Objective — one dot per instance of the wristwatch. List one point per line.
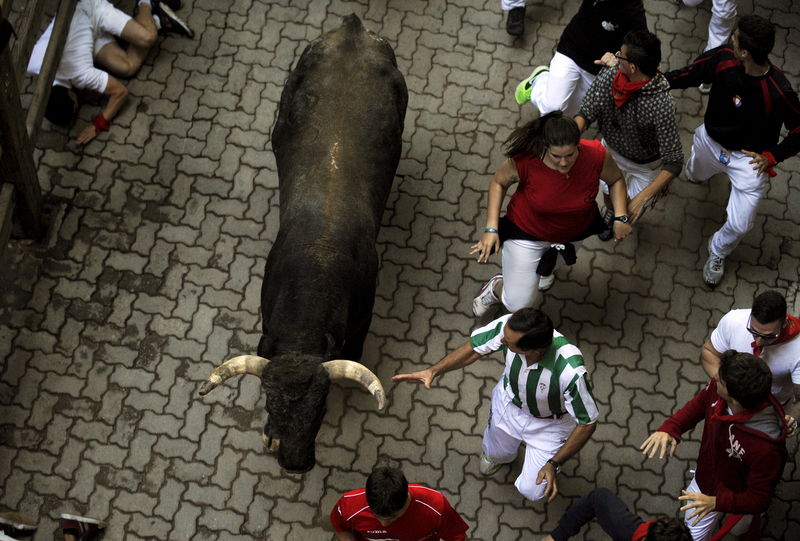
(624, 218)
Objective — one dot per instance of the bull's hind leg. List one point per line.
(270, 442)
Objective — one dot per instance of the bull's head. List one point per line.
(296, 391)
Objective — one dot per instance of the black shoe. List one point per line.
(174, 5)
(515, 23)
(169, 21)
(608, 218)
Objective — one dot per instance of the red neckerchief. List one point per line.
(623, 88)
(788, 332)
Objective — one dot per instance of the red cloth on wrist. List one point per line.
(100, 123)
(772, 161)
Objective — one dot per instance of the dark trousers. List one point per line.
(612, 514)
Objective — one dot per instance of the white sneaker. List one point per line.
(488, 466)
(486, 297)
(714, 269)
(705, 88)
(546, 282)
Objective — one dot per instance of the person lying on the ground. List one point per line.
(91, 54)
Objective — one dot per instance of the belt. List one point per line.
(554, 416)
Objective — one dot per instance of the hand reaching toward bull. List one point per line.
(425, 376)
(459, 358)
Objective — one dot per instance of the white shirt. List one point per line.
(92, 19)
(783, 359)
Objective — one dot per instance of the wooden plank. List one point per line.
(16, 163)
(44, 82)
(28, 32)
(6, 214)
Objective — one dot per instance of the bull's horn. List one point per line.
(243, 364)
(341, 369)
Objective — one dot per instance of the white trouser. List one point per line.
(637, 175)
(507, 5)
(707, 525)
(520, 280)
(562, 88)
(747, 187)
(723, 17)
(509, 425)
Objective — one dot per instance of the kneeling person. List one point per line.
(543, 398)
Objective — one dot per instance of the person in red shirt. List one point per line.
(551, 212)
(389, 509)
(742, 451)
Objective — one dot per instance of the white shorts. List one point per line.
(509, 426)
(637, 175)
(520, 279)
(708, 523)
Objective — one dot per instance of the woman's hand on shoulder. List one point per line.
(489, 244)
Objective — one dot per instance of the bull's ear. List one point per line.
(342, 369)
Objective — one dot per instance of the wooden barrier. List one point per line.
(20, 193)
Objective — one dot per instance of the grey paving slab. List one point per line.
(153, 278)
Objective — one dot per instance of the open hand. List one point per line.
(548, 475)
(489, 244)
(87, 134)
(425, 376)
(659, 442)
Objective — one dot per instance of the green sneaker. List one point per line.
(523, 92)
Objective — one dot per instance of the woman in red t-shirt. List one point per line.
(552, 210)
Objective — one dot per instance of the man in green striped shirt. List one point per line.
(544, 398)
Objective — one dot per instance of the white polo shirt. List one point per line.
(783, 359)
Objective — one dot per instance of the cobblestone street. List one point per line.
(153, 277)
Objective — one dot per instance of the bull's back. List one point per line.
(337, 140)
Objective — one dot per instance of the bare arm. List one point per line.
(619, 195)
(711, 359)
(502, 180)
(581, 122)
(459, 358)
(117, 93)
(650, 195)
(575, 442)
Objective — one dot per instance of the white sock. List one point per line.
(157, 21)
(146, 2)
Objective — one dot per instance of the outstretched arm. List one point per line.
(117, 94)
(459, 358)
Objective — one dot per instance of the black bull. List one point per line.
(337, 142)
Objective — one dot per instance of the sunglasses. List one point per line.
(756, 334)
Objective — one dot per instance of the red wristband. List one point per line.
(100, 123)
(771, 162)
